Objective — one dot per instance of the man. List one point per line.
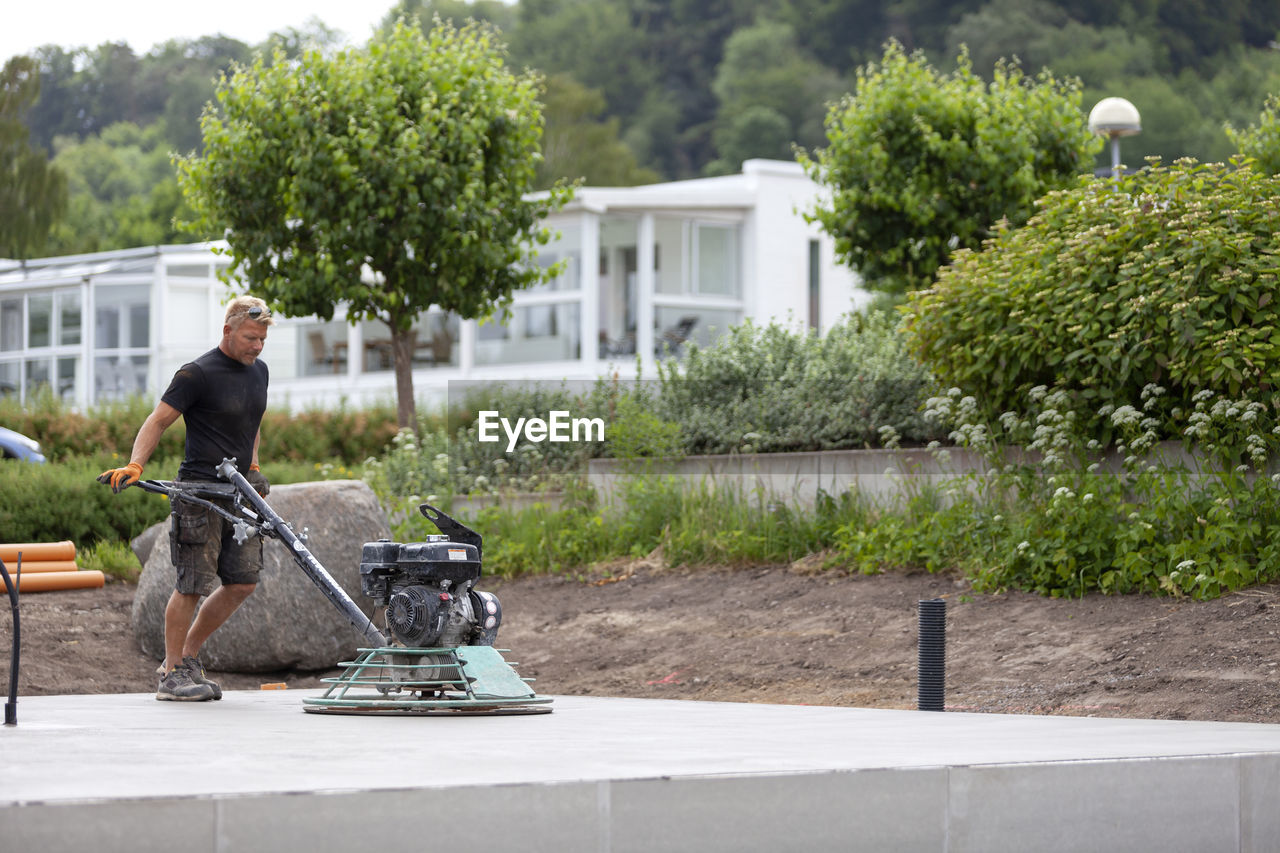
(221, 396)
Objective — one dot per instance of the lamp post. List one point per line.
(1114, 118)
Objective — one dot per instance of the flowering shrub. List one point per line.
(1168, 275)
(1066, 518)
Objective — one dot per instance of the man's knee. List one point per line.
(181, 605)
(239, 591)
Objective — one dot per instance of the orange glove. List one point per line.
(119, 478)
(258, 480)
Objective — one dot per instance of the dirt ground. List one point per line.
(783, 634)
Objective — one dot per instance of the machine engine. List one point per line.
(428, 588)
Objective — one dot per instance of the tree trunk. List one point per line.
(402, 346)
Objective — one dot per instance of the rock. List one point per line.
(287, 623)
(145, 542)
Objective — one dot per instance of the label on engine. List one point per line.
(457, 554)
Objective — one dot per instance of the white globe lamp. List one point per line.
(1114, 118)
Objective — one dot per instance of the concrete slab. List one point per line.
(254, 772)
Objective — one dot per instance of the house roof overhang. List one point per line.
(723, 192)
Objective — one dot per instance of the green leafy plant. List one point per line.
(115, 559)
(341, 433)
(765, 389)
(1167, 276)
(57, 501)
(1054, 513)
(921, 163)
(1261, 142)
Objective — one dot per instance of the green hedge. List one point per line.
(1068, 525)
(1168, 275)
(57, 501)
(64, 433)
(770, 389)
(346, 435)
(64, 500)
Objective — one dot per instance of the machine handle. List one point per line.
(302, 555)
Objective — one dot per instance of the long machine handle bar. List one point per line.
(271, 524)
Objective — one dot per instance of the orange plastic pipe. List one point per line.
(42, 566)
(50, 581)
(37, 552)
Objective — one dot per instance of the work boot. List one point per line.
(179, 686)
(197, 675)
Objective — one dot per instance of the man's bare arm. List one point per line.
(152, 429)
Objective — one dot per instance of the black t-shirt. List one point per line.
(222, 402)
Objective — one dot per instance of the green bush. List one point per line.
(724, 528)
(64, 500)
(434, 464)
(446, 456)
(484, 466)
(107, 431)
(1167, 276)
(767, 389)
(1066, 521)
(759, 389)
(347, 435)
(1261, 141)
(65, 433)
(926, 531)
(920, 162)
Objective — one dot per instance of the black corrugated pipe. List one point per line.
(932, 664)
(11, 707)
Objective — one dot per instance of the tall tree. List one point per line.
(773, 94)
(85, 90)
(578, 145)
(580, 142)
(684, 40)
(389, 179)
(921, 163)
(496, 12)
(60, 106)
(841, 34)
(176, 79)
(653, 60)
(1040, 33)
(315, 34)
(1183, 112)
(33, 194)
(123, 191)
(595, 43)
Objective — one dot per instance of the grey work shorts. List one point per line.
(202, 546)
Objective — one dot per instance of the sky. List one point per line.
(26, 25)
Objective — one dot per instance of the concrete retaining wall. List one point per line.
(797, 478)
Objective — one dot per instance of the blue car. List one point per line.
(15, 445)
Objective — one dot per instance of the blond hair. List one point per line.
(243, 308)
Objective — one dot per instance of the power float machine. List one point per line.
(442, 659)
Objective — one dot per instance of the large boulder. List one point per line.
(287, 623)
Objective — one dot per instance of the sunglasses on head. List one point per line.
(257, 312)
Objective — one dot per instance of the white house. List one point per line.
(668, 263)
